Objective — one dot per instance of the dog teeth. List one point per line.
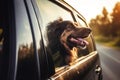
(82, 47)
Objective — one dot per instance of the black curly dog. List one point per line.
(66, 36)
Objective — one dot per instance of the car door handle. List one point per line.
(98, 69)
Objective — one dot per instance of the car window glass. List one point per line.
(49, 13)
(26, 65)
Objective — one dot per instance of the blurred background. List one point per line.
(103, 16)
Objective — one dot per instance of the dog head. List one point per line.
(68, 34)
(73, 35)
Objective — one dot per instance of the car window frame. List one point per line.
(65, 7)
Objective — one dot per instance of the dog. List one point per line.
(67, 37)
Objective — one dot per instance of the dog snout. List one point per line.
(81, 32)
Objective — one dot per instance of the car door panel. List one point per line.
(78, 70)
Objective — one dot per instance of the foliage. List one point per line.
(107, 25)
(116, 20)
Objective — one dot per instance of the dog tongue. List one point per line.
(79, 41)
(83, 41)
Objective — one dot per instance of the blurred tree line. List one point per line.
(106, 26)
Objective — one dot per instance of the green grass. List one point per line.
(111, 42)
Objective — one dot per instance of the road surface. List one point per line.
(110, 62)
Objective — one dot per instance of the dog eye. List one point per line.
(69, 28)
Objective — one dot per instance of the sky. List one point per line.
(90, 8)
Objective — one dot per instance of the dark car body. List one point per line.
(24, 50)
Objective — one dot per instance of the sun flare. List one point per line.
(90, 8)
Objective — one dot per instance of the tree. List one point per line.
(101, 24)
(105, 26)
(95, 25)
(105, 12)
(116, 20)
(108, 26)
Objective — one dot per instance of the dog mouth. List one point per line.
(77, 42)
(77, 38)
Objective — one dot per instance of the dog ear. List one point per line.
(57, 24)
(53, 26)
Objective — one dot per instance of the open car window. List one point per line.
(56, 27)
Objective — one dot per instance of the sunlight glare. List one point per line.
(90, 8)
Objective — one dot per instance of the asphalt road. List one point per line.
(110, 62)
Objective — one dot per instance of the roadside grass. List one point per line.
(111, 42)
